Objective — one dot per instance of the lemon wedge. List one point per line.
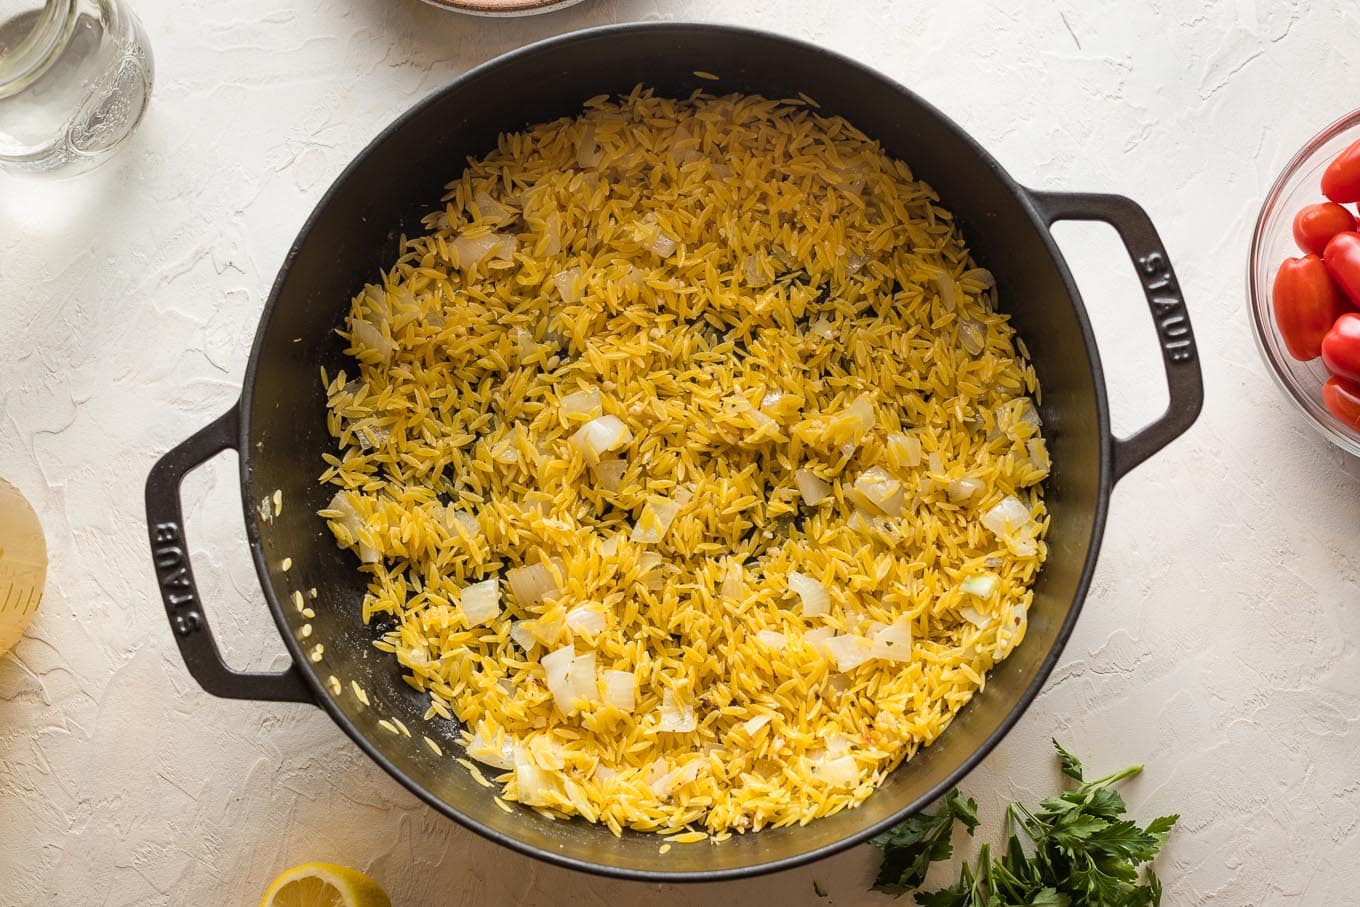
(23, 565)
(324, 885)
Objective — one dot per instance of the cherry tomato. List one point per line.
(1341, 179)
(1316, 224)
(1341, 348)
(1343, 400)
(1342, 257)
(1306, 303)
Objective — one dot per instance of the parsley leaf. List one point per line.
(910, 848)
(1076, 849)
(1071, 765)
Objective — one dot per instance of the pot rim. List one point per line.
(1026, 698)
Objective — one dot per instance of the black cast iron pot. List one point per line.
(279, 430)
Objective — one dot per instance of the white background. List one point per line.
(1217, 642)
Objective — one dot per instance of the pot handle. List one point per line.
(1174, 334)
(170, 552)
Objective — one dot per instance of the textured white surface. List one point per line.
(1216, 645)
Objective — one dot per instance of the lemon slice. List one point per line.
(23, 565)
(324, 885)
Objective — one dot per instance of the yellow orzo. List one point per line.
(693, 463)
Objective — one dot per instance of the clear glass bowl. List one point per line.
(506, 8)
(1272, 243)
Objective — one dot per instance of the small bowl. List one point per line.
(504, 8)
(1272, 243)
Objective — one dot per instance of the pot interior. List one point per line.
(354, 234)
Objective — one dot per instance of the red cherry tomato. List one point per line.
(1341, 179)
(1341, 348)
(1343, 400)
(1342, 257)
(1316, 224)
(1306, 303)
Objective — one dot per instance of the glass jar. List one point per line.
(75, 76)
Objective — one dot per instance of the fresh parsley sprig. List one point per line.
(1074, 850)
(910, 848)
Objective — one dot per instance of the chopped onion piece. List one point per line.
(522, 634)
(655, 519)
(532, 584)
(532, 783)
(815, 599)
(470, 251)
(684, 148)
(893, 642)
(586, 620)
(817, 639)
(552, 233)
(963, 489)
(581, 678)
(980, 585)
(490, 209)
(663, 785)
(504, 452)
(758, 419)
(753, 725)
(354, 524)
(599, 436)
(557, 666)
(620, 689)
(550, 628)
(1020, 420)
(945, 284)
(609, 473)
(649, 561)
(365, 336)
(862, 411)
(813, 489)
(569, 285)
(525, 344)
(1008, 518)
(734, 583)
(972, 336)
(571, 677)
(881, 491)
(461, 522)
(751, 270)
(495, 750)
(841, 772)
(980, 276)
(675, 717)
(588, 151)
(975, 617)
(848, 652)
(904, 450)
(823, 328)
(583, 404)
(838, 745)
(772, 639)
(1038, 455)
(663, 245)
(480, 602)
